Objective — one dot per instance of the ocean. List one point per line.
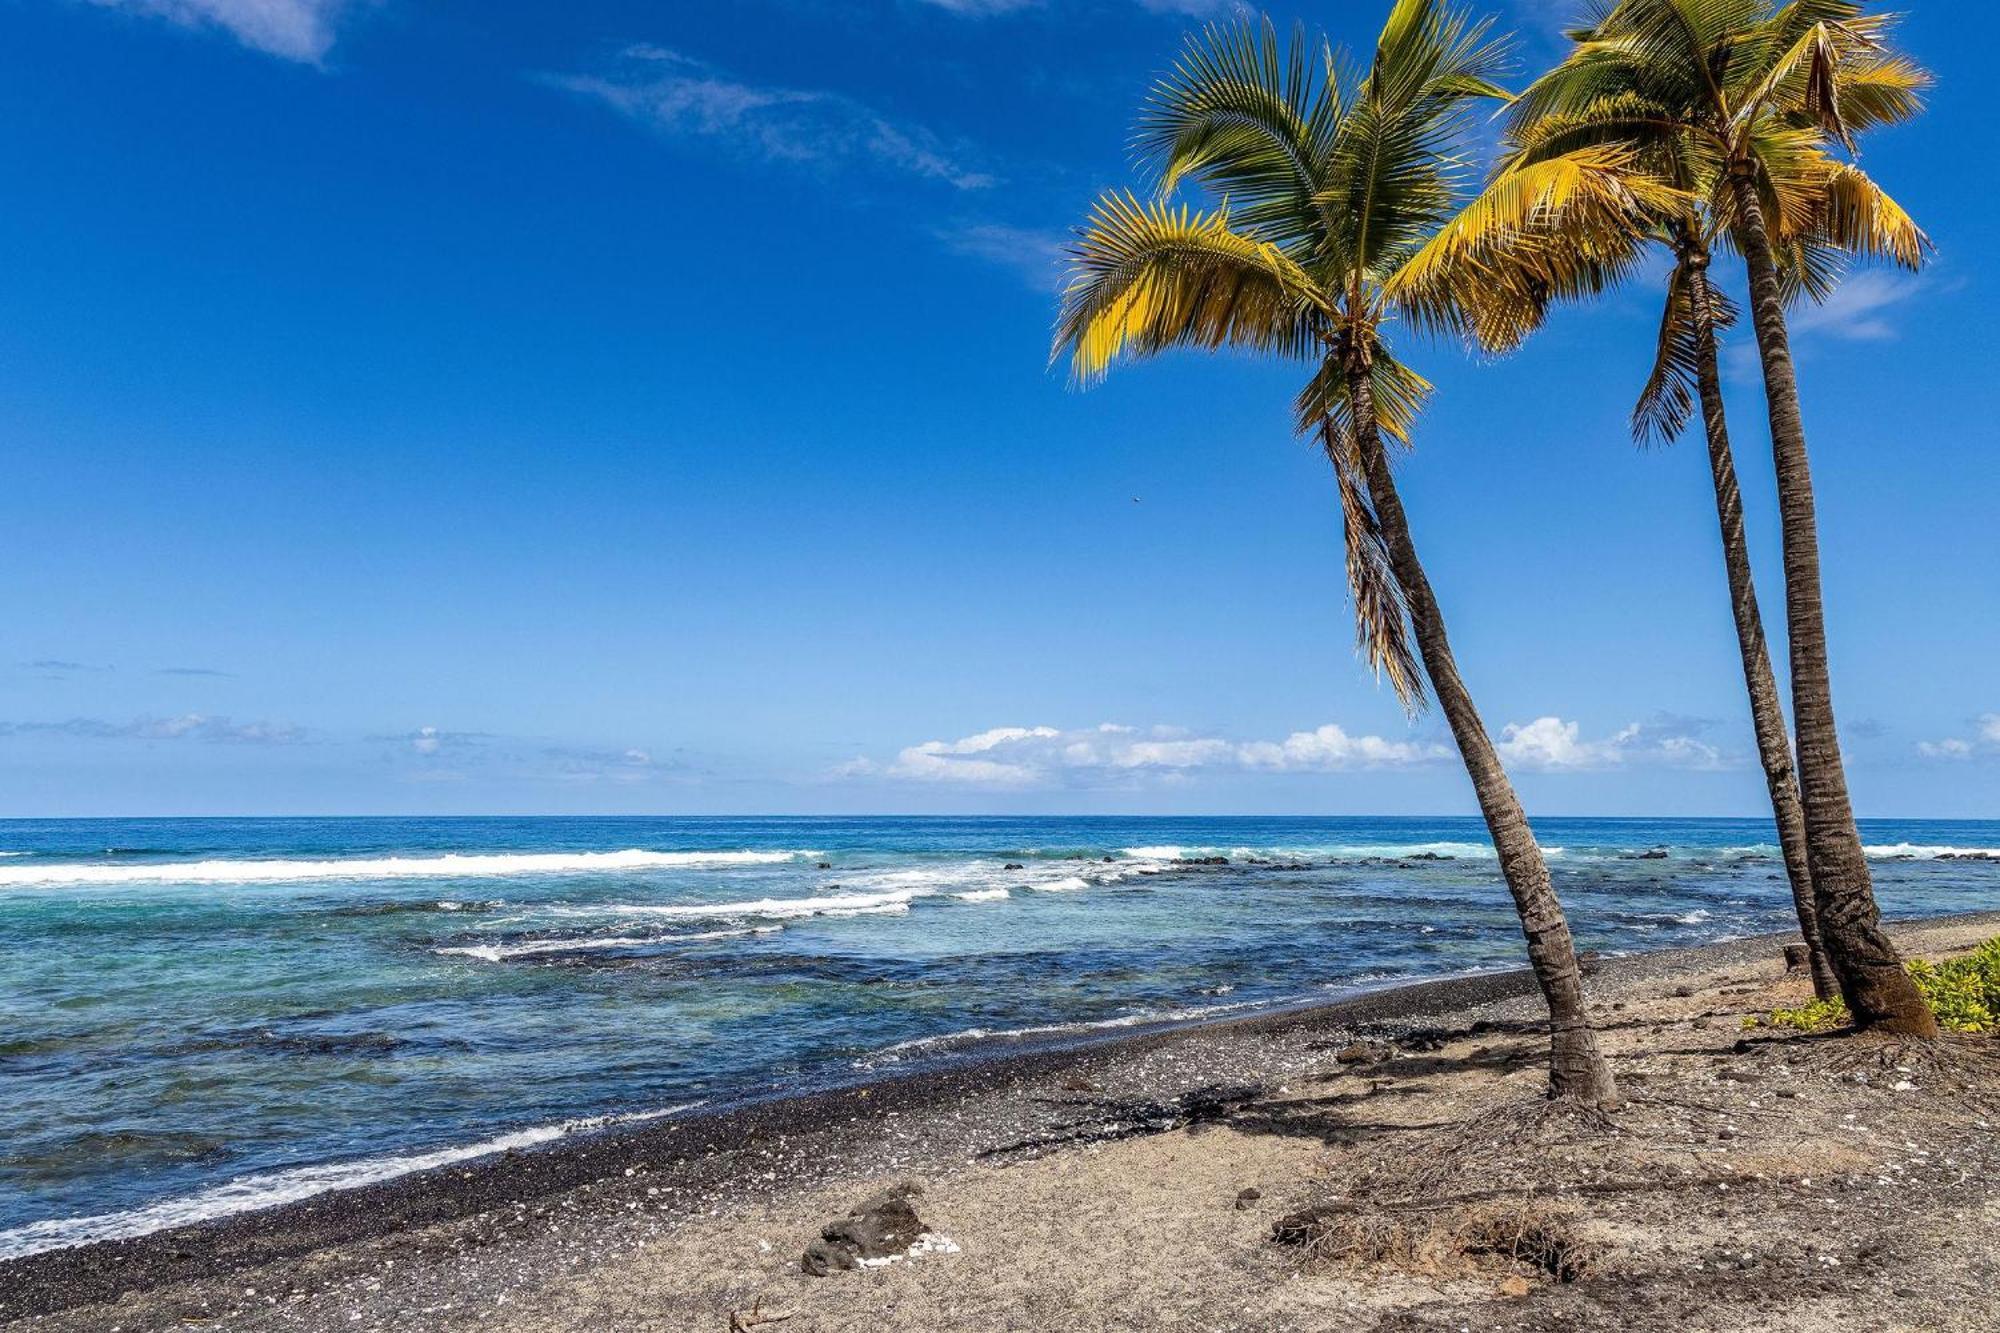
(199, 1017)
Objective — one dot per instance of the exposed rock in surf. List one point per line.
(1201, 860)
(1013, 865)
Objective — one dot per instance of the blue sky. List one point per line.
(473, 405)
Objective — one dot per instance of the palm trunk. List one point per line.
(1878, 991)
(1577, 1070)
(1767, 715)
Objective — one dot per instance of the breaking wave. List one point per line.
(451, 865)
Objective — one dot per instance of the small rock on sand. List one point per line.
(882, 1226)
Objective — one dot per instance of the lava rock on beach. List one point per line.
(882, 1226)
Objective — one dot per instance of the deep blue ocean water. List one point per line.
(198, 1016)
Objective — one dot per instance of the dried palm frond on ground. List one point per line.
(1447, 1240)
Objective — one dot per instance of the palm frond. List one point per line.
(1400, 394)
(1552, 229)
(1250, 120)
(1671, 393)
(1859, 216)
(1147, 277)
(1381, 616)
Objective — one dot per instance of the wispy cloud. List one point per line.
(1859, 309)
(436, 754)
(1036, 255)
(301, 30)
(1189, 8)
(193, 671)
(676, 95)
(1985, 740)
(1550, 744)
(187, 726)
(1116, 755)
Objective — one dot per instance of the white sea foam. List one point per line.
(496, 953)
(918, 1046)
(451, 865)
(772, 909)
(983, 895)
(249, 1193)
(1911, 851)
(1367, 851)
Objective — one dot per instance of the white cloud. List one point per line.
(1985, 740)
(186, 726)
(1549, 744)
(1113, 754)
(301, 30)
(675, 94)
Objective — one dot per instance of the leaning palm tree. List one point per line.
(1332, 179)
(1750, 88)
(1828, 208)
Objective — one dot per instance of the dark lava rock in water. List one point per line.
(1201, 860)
(879, 1227)
(1013, 865)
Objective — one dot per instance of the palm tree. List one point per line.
(1830, 207)
(1749, 90)
(1332, 179)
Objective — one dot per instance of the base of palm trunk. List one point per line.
(1880, 994)
(1577, 1069)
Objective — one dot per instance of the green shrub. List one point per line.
(1964, 993)
(1813, 1016)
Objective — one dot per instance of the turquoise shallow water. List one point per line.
(198, 1016)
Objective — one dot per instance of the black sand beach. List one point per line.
(512, 1222)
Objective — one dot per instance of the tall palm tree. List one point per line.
(1332, 179)
(1751, 88)
(1829, 208)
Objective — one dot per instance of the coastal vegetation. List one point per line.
(1338, 206)
(1963, 994)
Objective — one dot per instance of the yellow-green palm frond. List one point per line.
(1552, 229)
(1881, 88)
(1429, 50)
(1381, 616)
(1147, 277)
(1859, 216)
(1251, 119)
(1396, 171)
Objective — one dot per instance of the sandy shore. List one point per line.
(1751, 1182)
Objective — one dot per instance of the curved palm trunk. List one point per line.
(1577, 1069)
(1879, 992)
(1767, 715)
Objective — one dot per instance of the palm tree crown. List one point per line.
(1332, 179)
